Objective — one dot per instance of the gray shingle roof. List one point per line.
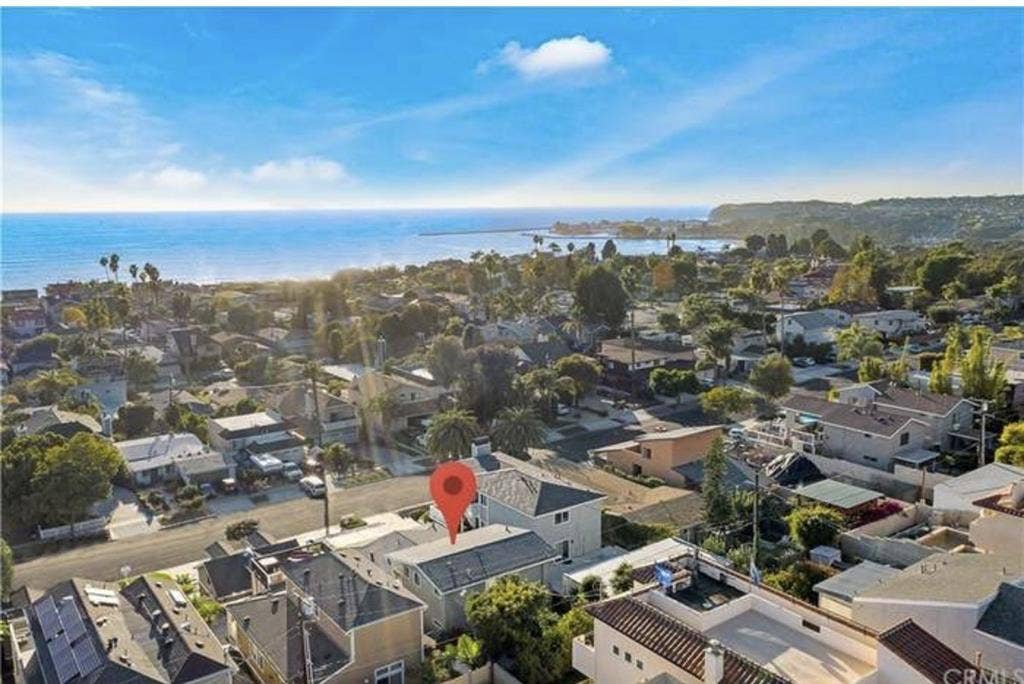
(477, 555)
(914, 400)
(1003, 616)
(864, 420)
(345, 595)
(532, 495)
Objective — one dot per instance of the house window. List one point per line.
(615, 650)
(629, 657)
(870, 458)
(647, 453)
(416, 578)
(905, 438)
(810, 625)
(561, 517)
(390, 674)
(482, 500)
(639, 664)
(867, 436)
(564, 547)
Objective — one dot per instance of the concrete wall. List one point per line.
(612, 668)
(880, 479)
(382, 643)
(894, 670)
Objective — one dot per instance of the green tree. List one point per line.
(723, 402)
(134, 420)
(673, 382)
(600, 296)
(871, 368)
(516, 429)
(755, 243)
(19, 461)
(140, 371)
(772, 376)
(509, 616)
(609, 250)
(717, 340)
(1011, 445)
(622, 578)
(717, 501)
(982, 376)
(451, 433)
(75, 475)
(243, 318)
(584, 372)
(545, 388)
(6, 570)
(590, 590)
(799, 579)
(338, 458)
(696, 310)
(815, 525)
(50, 385)
(941, 378)
(446, 359)
(856, 342)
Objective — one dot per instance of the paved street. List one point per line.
(183, 544)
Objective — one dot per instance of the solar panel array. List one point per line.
(67, 639)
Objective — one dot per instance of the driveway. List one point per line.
(125, 517)
(168, 548)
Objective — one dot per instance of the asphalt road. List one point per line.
(168, 548)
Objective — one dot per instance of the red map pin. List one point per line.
(453, 486)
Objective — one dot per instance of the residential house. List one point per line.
(603, 566)
(969, 601)
(846, 498)
(25, 321)
(15, 298)
(285, 341)
(864, 435)
(411, 399)
(231, 344)
(892, 324)
(30, 357)
(339, 421)
(172, 457)
(522, 331)
(628, 363)
(55, 420)
(962, 492)
(947, 419)
(147, 632)
(815, 327)
(708, 623)
(193, 348)
(443, 574)
(836, 593)
(104, 380)
(1011, 353)
(1000, 525)
(509, 492)
(262, 433)
(382, 303)
(661, 454)
(228, 576)
(316, 616)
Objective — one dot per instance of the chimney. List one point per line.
(111, 644)
(714, 662)
(245, 622)
(481, 447)
(108, 425)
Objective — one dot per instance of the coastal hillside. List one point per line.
(904, 219)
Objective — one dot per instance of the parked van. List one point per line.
(313, 486)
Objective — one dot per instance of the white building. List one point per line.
(892, 323)
(815, 327)
(257, 433)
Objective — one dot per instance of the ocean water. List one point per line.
(206, 247)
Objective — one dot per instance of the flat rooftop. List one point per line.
(787, 652)
(705, 593)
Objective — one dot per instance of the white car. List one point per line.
(292, 472)
(804, 362)
(313, 486)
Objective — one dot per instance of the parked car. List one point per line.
(313, 486)
(292, 472)
(736, 433)
(208, 490)
(229, 485)
(804, 362)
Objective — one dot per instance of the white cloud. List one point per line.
(555, 57)
(172, 177)
(299, 170)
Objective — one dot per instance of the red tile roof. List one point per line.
(674, 641)
(992, 503)
(925, 653)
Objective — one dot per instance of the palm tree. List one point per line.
(451, 433)
(97, 316)
(716, 338)
(517, 428)
(152, 276)
(312, 373)
(105, 262)
(133, 271)
(337, 458)
(50, 385)
(781, 274)
(382, 406)
(114, 261)
(546, 387)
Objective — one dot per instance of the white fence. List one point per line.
(87, 528)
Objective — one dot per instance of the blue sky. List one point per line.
(177, 108)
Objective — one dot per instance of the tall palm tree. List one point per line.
(114, 261)
(716, 338)
(451, 433)
(546, 387)
(312, 373)
(782, 273)
(105, 263)
(133, 271)
(152, 276)
(517, 428)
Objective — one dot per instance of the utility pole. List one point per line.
(981, 442)
(757, 523)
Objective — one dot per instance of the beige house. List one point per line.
(317, 617)
(1000, 526)
(659, 453)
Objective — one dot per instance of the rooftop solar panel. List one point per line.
(86, 656)
(71, 619)
(63, 659)
(46, 613)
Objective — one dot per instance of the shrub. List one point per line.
(241, 529)
(799, 579)
(815, 525)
